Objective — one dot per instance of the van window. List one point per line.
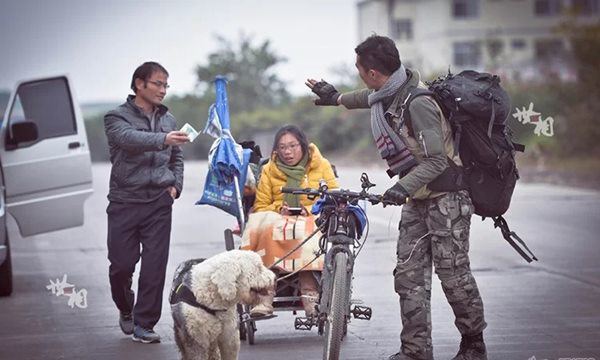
(47, 103)
(4, 97)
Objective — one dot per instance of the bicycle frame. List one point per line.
(340, 237)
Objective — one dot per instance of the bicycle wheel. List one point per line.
(336, 318)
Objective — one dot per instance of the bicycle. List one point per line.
(340, 224)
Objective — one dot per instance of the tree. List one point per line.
(581, 135)
(585, 44)
(249, 68)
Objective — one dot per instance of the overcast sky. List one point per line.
(100, 42)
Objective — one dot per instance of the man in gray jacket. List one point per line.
(146, 177)
(417, 144)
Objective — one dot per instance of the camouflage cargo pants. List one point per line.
(435, 230)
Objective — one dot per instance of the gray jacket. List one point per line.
(142, 166)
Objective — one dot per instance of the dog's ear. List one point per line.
(225, 279)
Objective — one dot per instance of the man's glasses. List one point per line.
(159, 84)
(293, 147)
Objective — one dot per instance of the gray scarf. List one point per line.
(391, 147)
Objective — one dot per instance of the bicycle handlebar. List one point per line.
(340, 194)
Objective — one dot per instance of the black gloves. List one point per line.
(327, 94)
(396, 194)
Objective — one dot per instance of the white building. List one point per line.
(515, 38)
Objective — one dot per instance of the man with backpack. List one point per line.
(416, 140)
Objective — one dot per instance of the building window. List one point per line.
(518, 44)
(465, 9)
(402, 29)
(467, 53)
(586, 7)
(547, 7)
(549, 49)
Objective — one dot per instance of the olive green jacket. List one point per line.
(428, 136)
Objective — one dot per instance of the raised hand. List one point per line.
(327, 93)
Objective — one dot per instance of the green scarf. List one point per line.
(295, 175)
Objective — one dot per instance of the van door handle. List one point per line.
(74, 145)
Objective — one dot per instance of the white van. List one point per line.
(45, 173)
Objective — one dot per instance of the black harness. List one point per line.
(181, 293)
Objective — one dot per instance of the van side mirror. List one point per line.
(21, 132)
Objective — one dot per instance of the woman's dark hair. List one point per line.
(145, 71)
(298, 134)
(379, 53)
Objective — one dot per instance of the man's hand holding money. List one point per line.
(190, 131)
(186, 134)
(176, 138)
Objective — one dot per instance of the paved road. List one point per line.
(549, 310)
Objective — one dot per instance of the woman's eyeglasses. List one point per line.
(283, 147)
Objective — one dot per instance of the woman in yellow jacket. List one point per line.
(294, 163)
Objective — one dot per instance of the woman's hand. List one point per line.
(285, 210)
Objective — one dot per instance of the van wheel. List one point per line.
(6, 273)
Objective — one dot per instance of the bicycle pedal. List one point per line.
(303, 323)
(362, 312)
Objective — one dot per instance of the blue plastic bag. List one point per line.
(223, 195)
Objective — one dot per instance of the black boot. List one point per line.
(400, 356)
(471, 348)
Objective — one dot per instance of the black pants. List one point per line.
(129, 226)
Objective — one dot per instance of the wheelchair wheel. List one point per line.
(229, 244)
(335, 325)
(242, 327)
(250, 328)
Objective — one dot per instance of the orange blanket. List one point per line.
(272, 236)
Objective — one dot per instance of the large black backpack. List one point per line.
(477, 108)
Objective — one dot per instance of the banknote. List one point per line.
(190, 131)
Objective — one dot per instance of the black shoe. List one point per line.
(146, 336)
(401, 356)
(471, 348)
(126, 322)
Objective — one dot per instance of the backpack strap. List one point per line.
(508, 235)
(412, 95)
(495, 80)
(451, 179)
(492, 118)
(454, 121)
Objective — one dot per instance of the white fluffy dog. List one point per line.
(204, 297)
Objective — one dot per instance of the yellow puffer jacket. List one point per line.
(268, 193)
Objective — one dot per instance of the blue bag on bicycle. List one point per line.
(227, 160)
(223, 195)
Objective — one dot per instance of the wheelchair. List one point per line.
(287, 293)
